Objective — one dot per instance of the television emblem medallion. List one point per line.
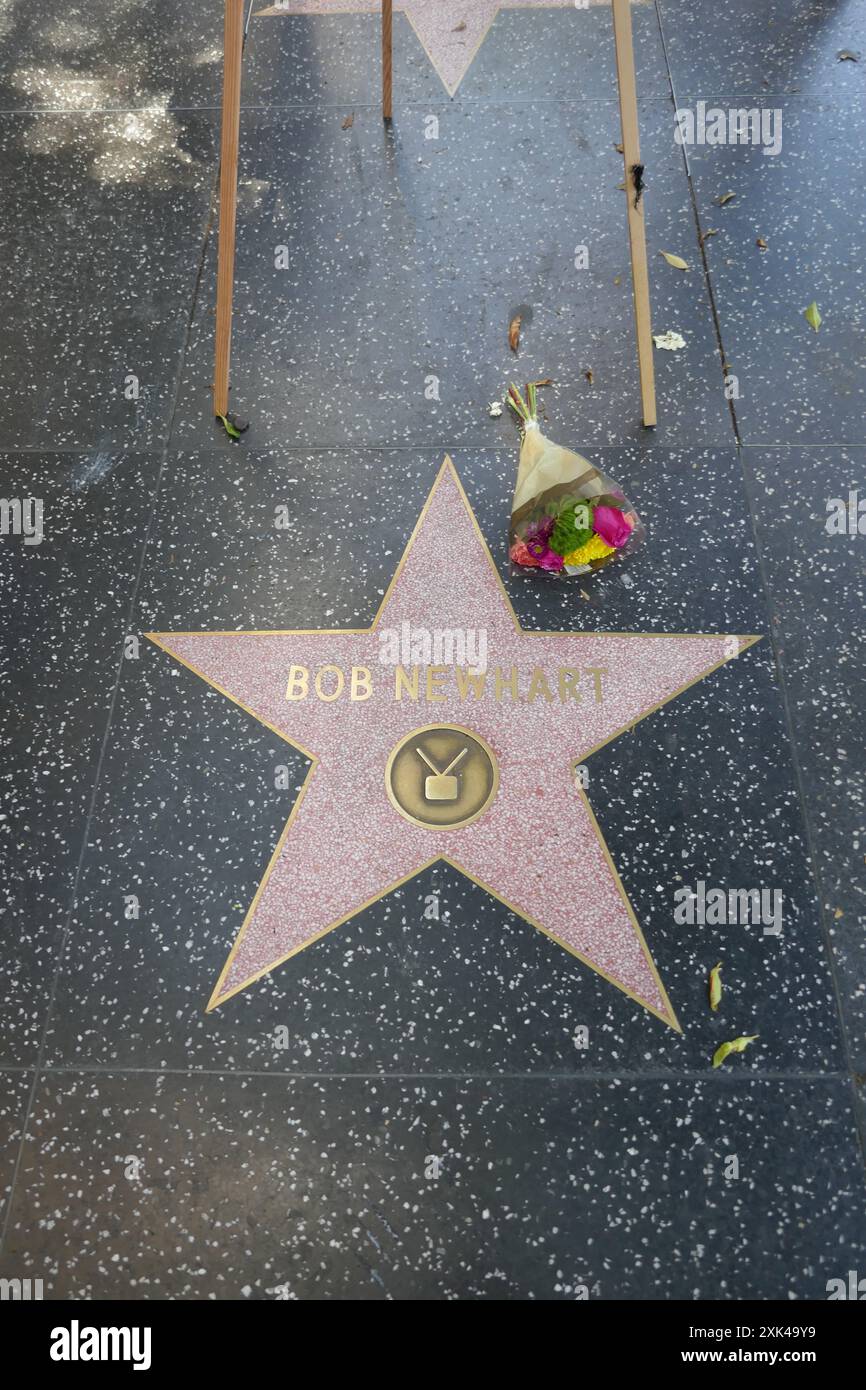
(441, 776)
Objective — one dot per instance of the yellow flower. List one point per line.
(594, 549)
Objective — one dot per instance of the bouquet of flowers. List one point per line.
(567, 517)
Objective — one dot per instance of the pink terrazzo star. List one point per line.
(537, 846)
(450, 31)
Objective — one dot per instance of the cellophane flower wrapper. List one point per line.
(568, 517)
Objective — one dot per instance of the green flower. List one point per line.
(568, 534)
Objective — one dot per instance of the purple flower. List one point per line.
(539, 532)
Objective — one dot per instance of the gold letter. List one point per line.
(435, 674)
(512, 683)
(465, 680)
(538, 685)
(340, 683)
(362, 687)
(401, 678)
(568, 678)
(597, 672)
(298, 676)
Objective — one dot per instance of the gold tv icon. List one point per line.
(441, 786)
(441, 776)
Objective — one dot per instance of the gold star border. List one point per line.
(157, 638)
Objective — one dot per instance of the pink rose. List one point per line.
(612, 525)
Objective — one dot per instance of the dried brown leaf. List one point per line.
(514, 333)
(349, 122)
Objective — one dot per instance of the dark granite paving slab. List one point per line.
(100, 237)
(66, 602)
(189, 809)
(817, 580)
(407, 1109)
(549, 54)
(14, 1092)
(796, 386)
(782, 46)
(309, 60)
(378, 271)
(262, 1188)
(101, 55)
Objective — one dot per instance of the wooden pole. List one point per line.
(228, 198)
(387, 28)
(637, 239)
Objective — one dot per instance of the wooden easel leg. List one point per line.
(387, 28)
(228, 199)
(637, 239)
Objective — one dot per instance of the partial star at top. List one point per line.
(450, 31)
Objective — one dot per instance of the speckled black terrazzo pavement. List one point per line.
(401, 1112)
